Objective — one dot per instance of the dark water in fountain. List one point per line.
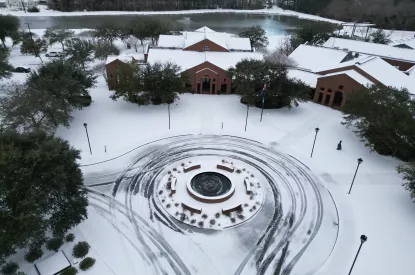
(210, 184)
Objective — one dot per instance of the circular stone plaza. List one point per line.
(211, 192)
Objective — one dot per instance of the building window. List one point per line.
(214, 80)
(322, 89)
(206, 48)
(224, 79)
(198, 80)
(341, 87)
(111, 76)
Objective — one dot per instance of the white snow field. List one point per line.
(307, 223)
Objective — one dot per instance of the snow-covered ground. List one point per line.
(275, 10)
(130, 233)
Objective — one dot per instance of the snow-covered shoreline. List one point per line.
(274, 11)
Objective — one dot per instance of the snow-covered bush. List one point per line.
(54, 243)
(70, 237)
(86, 263)
(10, 268)
(80, 249)
(69, 271)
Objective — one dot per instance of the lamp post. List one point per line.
(87, 136)
(263, 99)
(363, 238)
(359, 161)
(168, 108)
(315, 137)
(246, 121)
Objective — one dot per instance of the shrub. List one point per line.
(212, 222)
(10, 268)
(168, 205)
(176, 204)
(33, 254)
(104, 49)
(86, 263)
(80, 249)
(33, 9)
(70, 237)
(217, 215)
(192, 221)
(233, 220)
(69, 271)
(200, 223)
(54, 243)
(204, 216)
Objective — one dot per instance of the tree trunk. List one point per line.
(63, 46)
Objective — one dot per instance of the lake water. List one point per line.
(232, 23)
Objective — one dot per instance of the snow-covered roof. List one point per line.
(371, 48)
(316, 58)
(408, 43)
(53, 264)
(126, 57)
(190, 59)
(225, 40)
(387, 74)
(308, 78)
(354, 75)
(204, 29)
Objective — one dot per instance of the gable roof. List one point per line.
(307, 77)
(204, 29)
(381, 50)
(317, 58)
(125, 58)
(228, 41)
(409, 43)
(354, 75)
(190, 59)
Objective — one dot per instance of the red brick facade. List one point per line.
(205, 46)
(112, 69)
(332, 90)
(207, 78)
(402, 65)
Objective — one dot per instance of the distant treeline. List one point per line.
(152, 5)
(388, 14)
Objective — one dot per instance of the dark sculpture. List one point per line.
(339, 146)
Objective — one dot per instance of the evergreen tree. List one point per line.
(249, 77)
(9, 26)
(140, 30)
(315, 33)
(408, 175)
(257, 37)
(41, 189)
(79, 51)
(33, 46)
(58, 36)
(47, 99)
(5, 67)
(383, 117)
(158, 83)
(380, 37)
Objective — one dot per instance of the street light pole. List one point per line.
(359, 161)
(87, 136)
(168, 108)
(315, 137)
(263, 99)
(363, 238)
(246, 121)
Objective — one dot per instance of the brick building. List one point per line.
(114, 63)
(333, 73)
(205, 56)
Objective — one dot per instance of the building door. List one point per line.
(206, 86)
(320, 98)
(198, 88)
(327, 101)
(223, 88)
(338, 99)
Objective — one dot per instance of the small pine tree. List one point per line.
(10, 268)
(80, 249)
(33, 254)
(86, 263)
(54, 243)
